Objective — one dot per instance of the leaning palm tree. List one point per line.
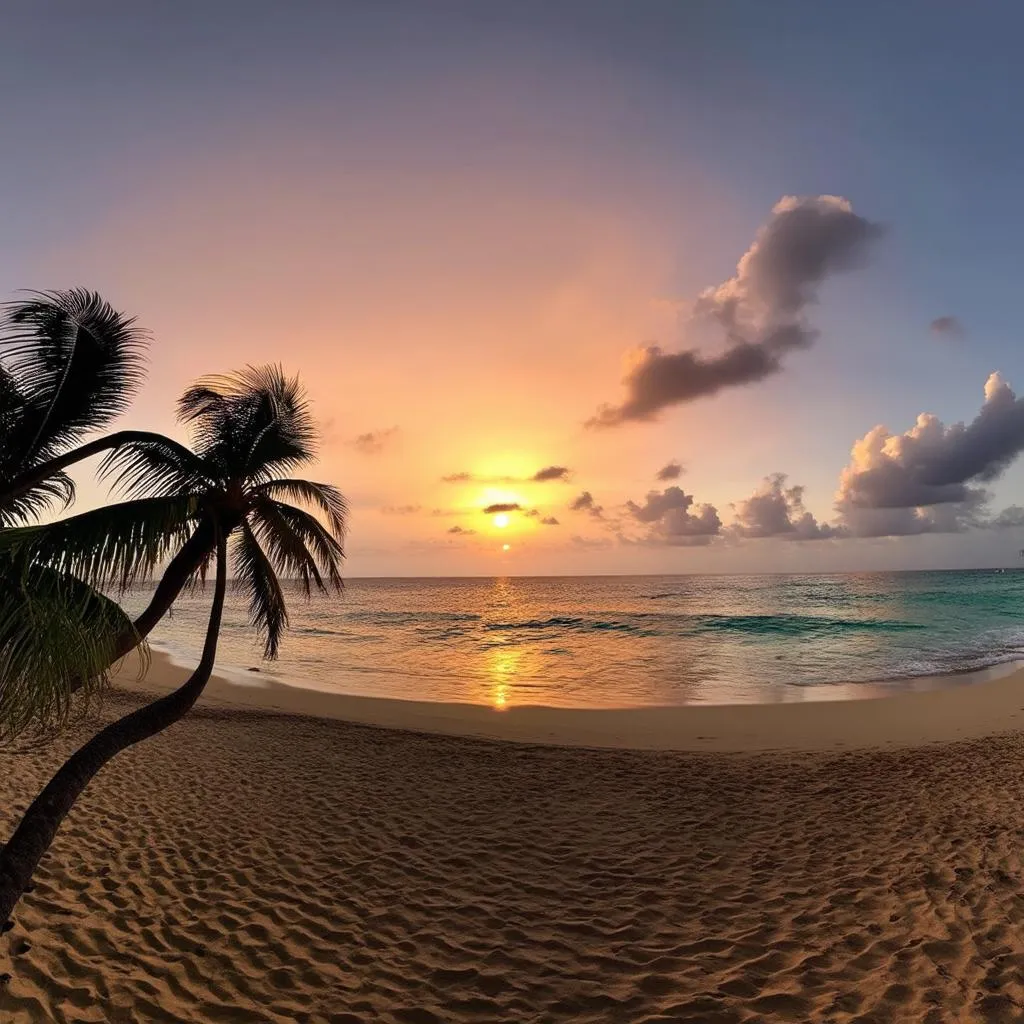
(226, 491)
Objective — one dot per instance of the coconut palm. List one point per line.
(69, 364)
(223, 494)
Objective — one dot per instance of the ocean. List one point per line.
(624, 641)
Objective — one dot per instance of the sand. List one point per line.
(253, 866)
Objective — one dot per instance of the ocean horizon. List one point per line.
(604, 641)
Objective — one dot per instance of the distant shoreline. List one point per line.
(945, 713)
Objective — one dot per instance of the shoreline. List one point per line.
(944, 714)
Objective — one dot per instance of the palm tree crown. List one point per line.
(69, 364)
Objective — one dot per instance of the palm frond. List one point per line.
(255, 577)
(299, 544)
(155, 466)
(251, 424)
(325, 497)
(58, 638)
(77, 363)
(32, 504)
(113, 546)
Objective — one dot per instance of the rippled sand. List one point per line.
(248, 867)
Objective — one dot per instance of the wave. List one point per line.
(694, 625)
(798, 625)
(382, 618)
(570, 623)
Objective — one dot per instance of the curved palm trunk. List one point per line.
(35, 833)
(179, 571)
(175, 578)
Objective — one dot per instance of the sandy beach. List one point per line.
(842, 861)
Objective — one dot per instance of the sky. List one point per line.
(691, 287)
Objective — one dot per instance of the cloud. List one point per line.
(670, 519)
(551, 473)
(932, 464)
(549, 521)
(1010, 518)
(907, 522)
(670, 471)
(927, 479)
(585, 503)
(503, 506)
(775, 510)
(460, 530)
(401, 510)
(760, 309)
(373, 442)
(541, 476)
(948, 327)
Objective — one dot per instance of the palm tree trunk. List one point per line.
(175, 578)
(35, 833)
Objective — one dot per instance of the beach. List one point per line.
(267, 861)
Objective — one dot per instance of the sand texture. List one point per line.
(251, 867)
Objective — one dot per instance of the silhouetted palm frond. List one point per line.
(53, 628)
(76, 363)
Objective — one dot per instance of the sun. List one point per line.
(505, 547)
(501, 520)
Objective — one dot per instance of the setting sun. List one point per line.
(501, 520)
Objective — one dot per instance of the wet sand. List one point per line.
(258, 866)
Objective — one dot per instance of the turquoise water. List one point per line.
(626, 641)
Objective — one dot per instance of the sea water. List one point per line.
(624, 640)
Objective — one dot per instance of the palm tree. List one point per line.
(69, 364)
(246, 429)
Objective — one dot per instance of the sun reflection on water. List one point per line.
(503, 666)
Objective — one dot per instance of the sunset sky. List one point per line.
(467, 226)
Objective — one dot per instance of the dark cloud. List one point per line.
(585, 503)
(760, 309)
(775, 510)
(670, 519)
(670, 471)
(948, 327)
(551, 473)
(461, 531)
(401, 510)
(456, 478)
(503, 506)
(374, 441)
(549, 521)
